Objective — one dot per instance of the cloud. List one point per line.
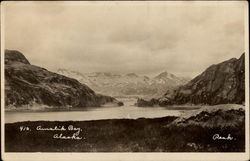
(125, 37)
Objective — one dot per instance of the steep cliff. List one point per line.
(219, 84)
(26, 84)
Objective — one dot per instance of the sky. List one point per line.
(147, 38)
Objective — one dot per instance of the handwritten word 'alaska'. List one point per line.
(74, 136)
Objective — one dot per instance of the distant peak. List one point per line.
(165, 74)
(99, 74)
(104, 74)
(131, 75)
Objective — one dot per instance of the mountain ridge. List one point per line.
(126, 84)
(27, 84)
(220, 83)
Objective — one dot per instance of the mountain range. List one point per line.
(130, 84)
(222, 83)
(27, 84)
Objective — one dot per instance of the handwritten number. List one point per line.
(24, 128)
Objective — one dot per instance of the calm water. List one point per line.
(127, 111)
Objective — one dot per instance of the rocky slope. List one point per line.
(219, 84)
(129, 84)
(27, 84)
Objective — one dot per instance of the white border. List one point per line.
(247, 113)
(2, 81)
(129, 156)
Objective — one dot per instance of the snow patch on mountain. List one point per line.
(127, 84)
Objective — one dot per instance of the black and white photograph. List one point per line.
(120, 77)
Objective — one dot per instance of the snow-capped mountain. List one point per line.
(222, 83)
(170, 78)
(129, 84)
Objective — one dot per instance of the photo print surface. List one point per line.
(124, 77)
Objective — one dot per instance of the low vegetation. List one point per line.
(168, 134)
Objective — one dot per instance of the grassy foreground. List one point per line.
(168, 134)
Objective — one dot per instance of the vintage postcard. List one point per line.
(108, 80)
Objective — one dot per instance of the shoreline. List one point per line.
(166, 134)
(40, 108)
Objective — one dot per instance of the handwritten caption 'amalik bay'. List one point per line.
(69, 132)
